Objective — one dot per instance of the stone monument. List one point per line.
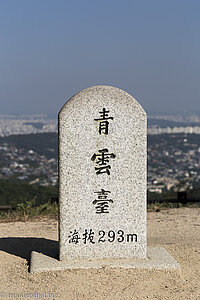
(102, 185)
(102, 175)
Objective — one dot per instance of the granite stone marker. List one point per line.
(102, 186)
(102, 175)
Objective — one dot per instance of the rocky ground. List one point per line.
(177, 230)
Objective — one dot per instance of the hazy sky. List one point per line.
(51, 49)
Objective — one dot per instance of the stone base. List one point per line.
(157, 258)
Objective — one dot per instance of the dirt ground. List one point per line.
(177, 230)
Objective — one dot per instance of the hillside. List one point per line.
(43, 143)
(28, 167)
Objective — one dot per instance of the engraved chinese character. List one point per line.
(88, 236)
(74, 237)
(102, 160)
(103, 121)
(102, 203)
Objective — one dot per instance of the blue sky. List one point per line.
(51, 49)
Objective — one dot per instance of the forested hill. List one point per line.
(43, 143)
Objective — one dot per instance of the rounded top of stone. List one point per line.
(103, 90)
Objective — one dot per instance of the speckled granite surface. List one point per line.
(102, 176)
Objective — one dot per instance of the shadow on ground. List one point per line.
(23, 247)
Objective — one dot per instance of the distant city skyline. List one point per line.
(53, 49)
